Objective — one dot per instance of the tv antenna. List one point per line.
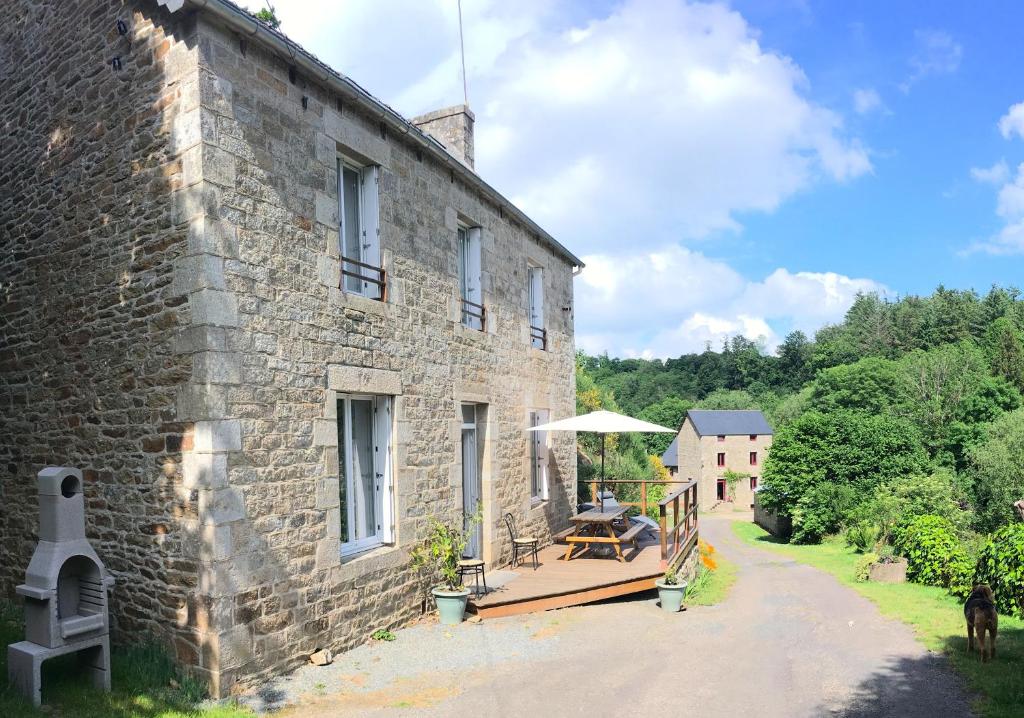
(462, 52)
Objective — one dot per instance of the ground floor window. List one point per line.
(720, 491)
(365, 483)
(538, 456)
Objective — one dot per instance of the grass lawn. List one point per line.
(713, 589)
(936, 617)
(141, 678)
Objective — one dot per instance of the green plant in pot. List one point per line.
(671, 590)
(441, 552)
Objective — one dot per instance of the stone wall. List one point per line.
(91, 218)
(770, 521)
(173, 324)
(284, 341)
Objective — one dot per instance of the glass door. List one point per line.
(471, 488)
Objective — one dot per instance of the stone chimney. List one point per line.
(453, 128)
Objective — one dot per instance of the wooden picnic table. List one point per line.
(588, 526)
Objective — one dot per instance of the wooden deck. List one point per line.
(558, 583)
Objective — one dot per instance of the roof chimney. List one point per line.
(453, 128)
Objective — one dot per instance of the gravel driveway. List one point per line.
(788, 641)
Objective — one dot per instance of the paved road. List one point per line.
(789, 641)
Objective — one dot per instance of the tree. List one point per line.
(1005, 350)
(794, 364)
(851, 449)
(997, 472)
(871, 384)
(268, 16)
(669, 412)
(728, 399)
(938, 381)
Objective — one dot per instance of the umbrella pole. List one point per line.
(601, 495)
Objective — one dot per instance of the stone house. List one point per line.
(711, 442)
(277, 324)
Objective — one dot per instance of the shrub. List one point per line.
(822, 511)
(1001, 566)
(899, 501)
(863, 536)
(863, 565)
(934, 555)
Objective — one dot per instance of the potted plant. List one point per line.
(671, 591)
(441, 551)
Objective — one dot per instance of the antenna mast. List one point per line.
(462, 51)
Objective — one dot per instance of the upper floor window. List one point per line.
(721, 459)
(359, 230)
(474, 315)
(753, 458)
(753, 437)
(721, 437)
(538, 334)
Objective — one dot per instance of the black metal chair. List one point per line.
(521, 544)
(470, 566)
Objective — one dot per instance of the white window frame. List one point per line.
(535, 289)
(384, 510)
(369, 226)
(470, 271)
(539, 456)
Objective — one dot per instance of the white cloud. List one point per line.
(1010, 208)
(866, 100)
(996, 174)
(656, 121)
(935, 53)
(1012, 123)
(623, 130)
(672, 301)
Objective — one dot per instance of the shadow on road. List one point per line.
(910, 687)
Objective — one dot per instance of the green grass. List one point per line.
(936, 617)
(141, 678)
(711, 587)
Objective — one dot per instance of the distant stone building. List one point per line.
(278, 325)
(711, 442)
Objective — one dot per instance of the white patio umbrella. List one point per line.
(603, 423)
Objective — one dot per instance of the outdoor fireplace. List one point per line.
(65, 590)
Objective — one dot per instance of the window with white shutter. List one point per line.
(359, 229)
(538, 332)
(471, 278)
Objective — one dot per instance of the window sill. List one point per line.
(537, 503)
(378, 558)
(360, 303)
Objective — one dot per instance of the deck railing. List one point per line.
(678, 530)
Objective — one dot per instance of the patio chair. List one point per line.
(470, 566)
(521, 544)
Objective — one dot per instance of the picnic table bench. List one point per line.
(589, 525)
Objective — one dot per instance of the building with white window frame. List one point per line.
(305, 326)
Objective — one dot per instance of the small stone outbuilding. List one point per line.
(276, 324)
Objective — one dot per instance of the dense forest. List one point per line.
(906, 409)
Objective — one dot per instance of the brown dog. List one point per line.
(980, 612)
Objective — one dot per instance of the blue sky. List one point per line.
(754, 163)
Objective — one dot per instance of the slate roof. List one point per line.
(715, 422)
(671, 455)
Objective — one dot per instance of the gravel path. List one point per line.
(788, 641)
